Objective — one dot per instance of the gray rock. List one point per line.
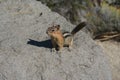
(25, 47)
(113, 53)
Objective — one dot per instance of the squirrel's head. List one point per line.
(52, 31)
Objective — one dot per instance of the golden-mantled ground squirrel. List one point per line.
(60, 39)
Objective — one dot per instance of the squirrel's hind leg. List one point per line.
(70, 45)
(54, 46)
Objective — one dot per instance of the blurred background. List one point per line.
(103, 16)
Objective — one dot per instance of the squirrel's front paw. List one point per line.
(53, 50)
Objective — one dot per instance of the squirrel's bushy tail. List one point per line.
(78, 28)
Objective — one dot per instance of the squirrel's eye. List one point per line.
(53, 30)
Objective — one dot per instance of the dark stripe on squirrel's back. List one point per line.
(66, 34)
(78, 27)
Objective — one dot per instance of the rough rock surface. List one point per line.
(25, 47)
(112, 50)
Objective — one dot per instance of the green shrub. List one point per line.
(107, 20)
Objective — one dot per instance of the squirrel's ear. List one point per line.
(58, 27)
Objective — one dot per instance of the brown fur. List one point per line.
(58, 39)
(56, 36)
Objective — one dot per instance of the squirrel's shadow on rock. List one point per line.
(46, 43)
